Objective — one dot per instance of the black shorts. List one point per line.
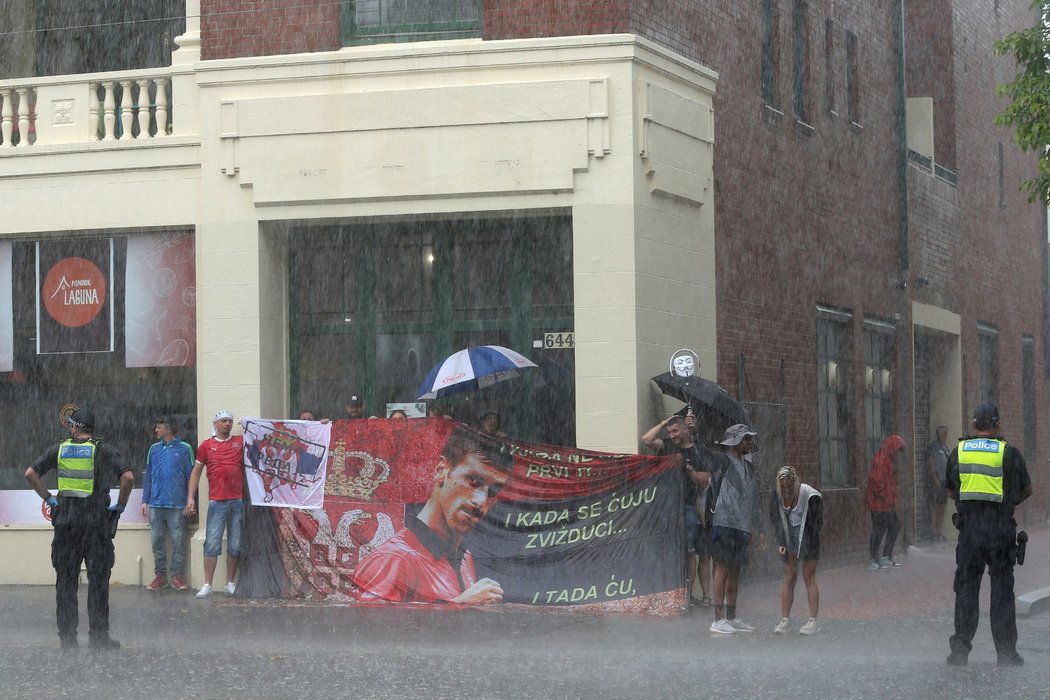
(703, 541)
(730, 549)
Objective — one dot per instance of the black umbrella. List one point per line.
(712, 405)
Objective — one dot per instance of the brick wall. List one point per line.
(1000, 244)
(933, 213)
(238, 28)
(809, 214)
(930, 54)
(515, 19)
(805, 214)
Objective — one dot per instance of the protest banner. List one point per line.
(552, 526)
(285, 462)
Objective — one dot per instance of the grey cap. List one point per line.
(735, 434)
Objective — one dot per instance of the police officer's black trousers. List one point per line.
(72, 545)
(995, 548)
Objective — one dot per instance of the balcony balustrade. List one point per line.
(122, 107)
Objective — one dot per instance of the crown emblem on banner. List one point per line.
(355, 474)
(283, 438)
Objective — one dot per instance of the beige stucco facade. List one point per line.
(612, 130)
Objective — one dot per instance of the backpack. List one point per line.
(714, 488)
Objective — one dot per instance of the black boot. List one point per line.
(103, 641)
(1010, 658)
(68, 642)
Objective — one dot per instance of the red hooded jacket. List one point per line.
(881, 495)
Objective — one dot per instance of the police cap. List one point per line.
(82, 418)
(986, 414)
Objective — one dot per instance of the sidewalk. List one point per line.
(922, 586)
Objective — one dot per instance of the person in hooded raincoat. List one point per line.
(880, 500)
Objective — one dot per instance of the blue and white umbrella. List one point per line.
(473, 368)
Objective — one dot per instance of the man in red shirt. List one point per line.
(223, 456)
(424, 562)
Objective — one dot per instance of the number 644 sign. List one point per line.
(555, 341)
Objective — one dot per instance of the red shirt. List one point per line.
(225, 462)
(415, 566)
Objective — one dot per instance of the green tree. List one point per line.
(1029, 110)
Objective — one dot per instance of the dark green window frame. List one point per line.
(852, 80)
(355, 34)
(833, 414)
(769, 53)
(829, 65)
(800, 57)
(1028, 395)
(987, 363)
(879, 338)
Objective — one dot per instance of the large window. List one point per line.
(987, 364)
(800, 57)
(852, 79)
(1028, 394)
(878, 384)
(832, 401)
(769, 53)
(374, 307)
(379, 21)
(126, 384)
(829, 65)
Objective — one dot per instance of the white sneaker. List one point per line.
(230, 588)
(811, 627)
(205, 591)
(741, 626)
(782, 628)
(722, 627)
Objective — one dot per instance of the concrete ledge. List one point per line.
(1033, 603)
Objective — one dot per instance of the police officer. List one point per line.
(986, 477)
(85, 523)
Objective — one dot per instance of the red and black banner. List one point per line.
(571, 528)
(74, 310)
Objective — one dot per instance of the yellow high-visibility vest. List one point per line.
(981, 469)
(76, 469)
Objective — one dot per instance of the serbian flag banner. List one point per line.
(74, 296)
(429, 511)
(285, 462)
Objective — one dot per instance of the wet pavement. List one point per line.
(884, 635)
